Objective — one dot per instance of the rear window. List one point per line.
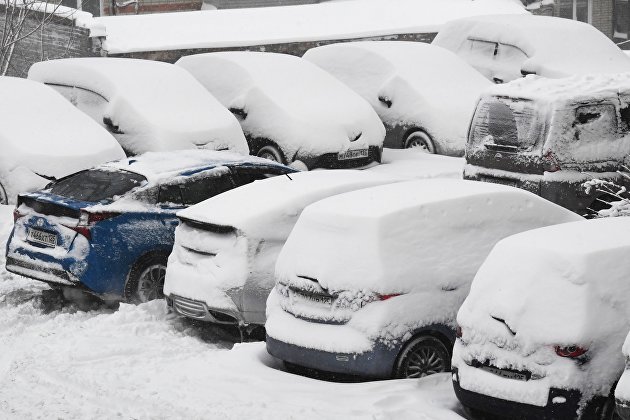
(507, 124)
(97, 185)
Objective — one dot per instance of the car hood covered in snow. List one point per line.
(44, 133)
(289, 101)
(429, 87)
(564, 285)
(156, 106)
(555, 47)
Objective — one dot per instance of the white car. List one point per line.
(425, 95)
(507, 47)
(541, 332)
(369, 282)
(290, 109)
(221, 268)
(147, 105)
(44, 138)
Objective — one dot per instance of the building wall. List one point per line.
(602, 13)
(293, 48)
(60, 39)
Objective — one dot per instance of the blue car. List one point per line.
(109, 230)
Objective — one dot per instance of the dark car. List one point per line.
(109, 230)
(549, 136)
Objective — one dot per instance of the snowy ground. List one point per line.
(140, 362)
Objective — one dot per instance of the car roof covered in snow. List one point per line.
(42, 131)
(160, 165)
(156, 105)
(287, 99)
(592, 87)
(427, 85)
(556, 47)
(271, 206)
(381, 238)
(564, 284)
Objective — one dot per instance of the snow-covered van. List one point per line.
(549, 136)
(541, 332)
(221, 268)
(507, 47)
(147, 105)
(369, 282)
(43, 138)
(290, 109)
(425, 95)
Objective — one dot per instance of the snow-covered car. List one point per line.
(147, 105)
(425, 95)
(43, 137)
(549, 136)
(507, 47)
(369, 282)
(109, 230)
(221, 269)
(290, 109)
(541, 332)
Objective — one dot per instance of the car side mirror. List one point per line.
(239, 112)
(110, 125)
(385, 100)
(497, 80)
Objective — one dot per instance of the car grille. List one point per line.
(199, 310)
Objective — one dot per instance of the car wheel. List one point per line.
(272, 153)
(4, 199)
(421, 141)
(422, 356)
(146, 279)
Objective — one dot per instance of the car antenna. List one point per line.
(289, 177)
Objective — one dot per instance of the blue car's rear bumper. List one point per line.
(377, 363)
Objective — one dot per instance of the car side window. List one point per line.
(483, 48)
(510, 53)
(198, 189)
(170, 194)
(91, 103)
(595, 122)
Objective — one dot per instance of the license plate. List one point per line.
(42, 237)
(505, 373)
(353, 154)
(318, 299)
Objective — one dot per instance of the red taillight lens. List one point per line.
(385, 297)
(550, 162)
(458, 332)
(88, 219)
(17, 215)
(571, 352)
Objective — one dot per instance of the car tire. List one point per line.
(422, 356)
(271, 152)
(419, 140)
(146, 279)
(4, 198)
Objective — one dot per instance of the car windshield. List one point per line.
(507, 122)
(97, 185)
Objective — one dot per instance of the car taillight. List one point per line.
(17, 215)
(88, 219)
(571, 352)
(550, 162)
(458, 332)
(385, 297)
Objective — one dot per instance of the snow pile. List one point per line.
(260, 217)
(303, 109)
(376, 242)
(428, 87)
(412, 164)
(271, 25)
(582, 108)
(156, 106)
(43, 134)
(563, 285)
(554, 47)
